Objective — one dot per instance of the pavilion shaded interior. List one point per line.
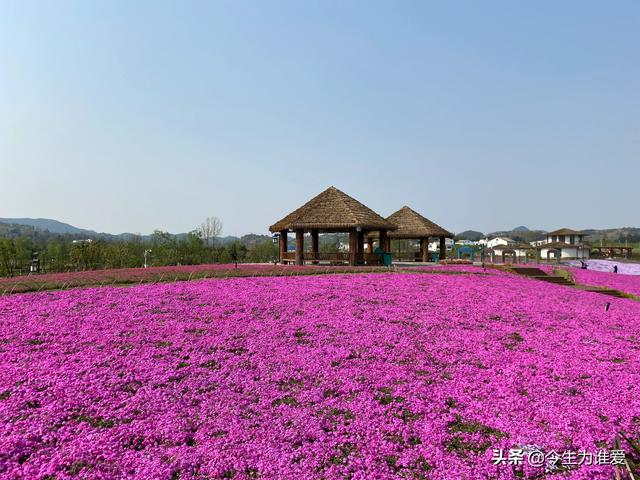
(412, 226)
(329, 212)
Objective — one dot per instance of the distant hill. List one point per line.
(617, 235)
(471, 235)
(43, 228)
(53, 226)
(520, 235)
(13, 230)
(57, 227)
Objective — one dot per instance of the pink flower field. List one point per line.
(625, 283)
(387, 375)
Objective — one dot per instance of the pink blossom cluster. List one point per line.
(335, 376)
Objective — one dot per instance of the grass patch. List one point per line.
(463, 443)
(286, 400)
(98, 422)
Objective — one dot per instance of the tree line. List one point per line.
(23, 254)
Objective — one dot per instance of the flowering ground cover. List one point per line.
(333, 376)
(445, 268)
(625, 283)
(54, 281)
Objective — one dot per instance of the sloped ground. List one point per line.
(128, 276)
(625, 283)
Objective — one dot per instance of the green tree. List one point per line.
(8, 258)
(265, 251)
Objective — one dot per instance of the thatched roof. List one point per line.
(332, 210)
(565, 231)
(413, 225)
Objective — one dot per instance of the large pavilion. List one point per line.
(413, 226)
(329, 212)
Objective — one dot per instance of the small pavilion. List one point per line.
(611, 252)
(329, 212)
(413, 226)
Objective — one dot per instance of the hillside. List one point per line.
(471, 235)
(521, 234)
(53, 226)
(44, 228)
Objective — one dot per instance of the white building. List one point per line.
(494, 242)
(435, 246)
(81, 242)
(564, 244)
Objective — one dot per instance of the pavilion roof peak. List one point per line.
(413, 225)
(332, 209)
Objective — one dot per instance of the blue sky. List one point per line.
(131, 116)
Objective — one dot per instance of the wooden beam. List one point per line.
(443, 248)
(360, 245)
(299, 247)
(282, 243)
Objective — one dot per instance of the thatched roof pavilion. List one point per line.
(412, 225)
(330, 211)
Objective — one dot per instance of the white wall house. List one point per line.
(565, 244)
(494, 242)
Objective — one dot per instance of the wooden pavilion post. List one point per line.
(443, 248)
(314, 246)
(353, 246)
(384, 240)
(299, 246)
(424, 248)
(360, 254)
(283, 241)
